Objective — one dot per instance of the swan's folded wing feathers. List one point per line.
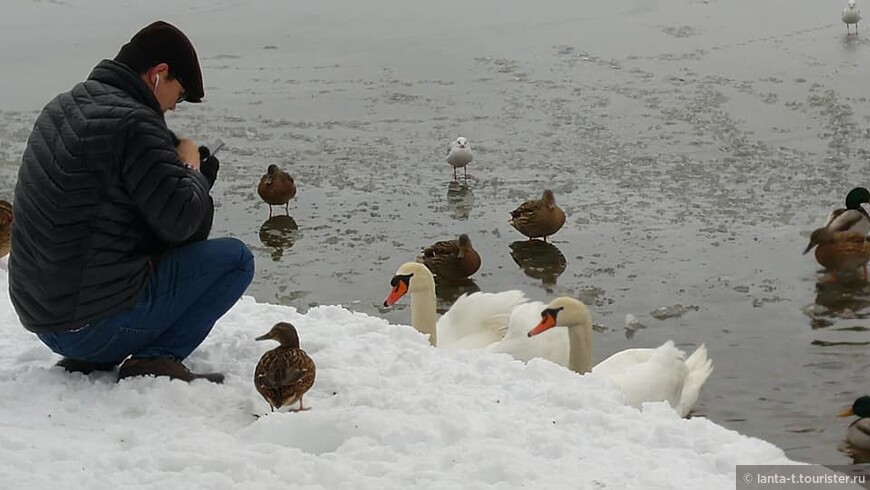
(660, 378)
(478, 312)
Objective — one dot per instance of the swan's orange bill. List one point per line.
(399, 290)
(846, 413)
(547, 322)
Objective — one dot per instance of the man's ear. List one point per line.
(160, 69)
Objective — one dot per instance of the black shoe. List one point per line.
(163, 366)
(84, 367)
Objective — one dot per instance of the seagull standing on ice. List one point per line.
(459, 155)
(851, 15)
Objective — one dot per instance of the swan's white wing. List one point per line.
(660, 378)
(621, 361)
(478, 319)
(552, 344)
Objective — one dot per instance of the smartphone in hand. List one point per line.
(216, 146)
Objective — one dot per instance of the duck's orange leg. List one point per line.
(301, 408)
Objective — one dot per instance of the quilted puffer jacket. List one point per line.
(101, 192)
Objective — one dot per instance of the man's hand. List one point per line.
(208, 165)
(188, 152)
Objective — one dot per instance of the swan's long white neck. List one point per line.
(423, 315)
(580, 351)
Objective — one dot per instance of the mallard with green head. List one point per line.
(858, 433)
(853, 217)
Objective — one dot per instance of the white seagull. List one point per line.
(851, 15)
(459, 155)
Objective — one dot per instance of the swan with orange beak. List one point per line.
(474, 321)
(643, 375)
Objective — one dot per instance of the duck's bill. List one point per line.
(846, 413)
(263, 337)
(400, 288)
(547, 322)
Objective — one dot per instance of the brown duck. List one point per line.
(285, 373)
(5, 227)
(840, 251)
(538, 218)
(276, 187)
(451, 260)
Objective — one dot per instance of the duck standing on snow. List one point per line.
(851, 15)
(5, 233)
(459, 155)
(5, 227)
(538, 218)
(474, 321)
(276, 187)
(858, 433)
(840, 251)
(451, 260)
(643, 375)
(285, 373)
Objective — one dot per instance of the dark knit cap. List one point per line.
(162, 42)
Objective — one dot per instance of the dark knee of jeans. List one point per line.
(245, 257)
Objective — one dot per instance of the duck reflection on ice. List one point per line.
(847, 298)
(447, 292)
(460, 199)
(279, 233)
(539, 260)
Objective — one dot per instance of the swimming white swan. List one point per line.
(643, 375)
(474, 321)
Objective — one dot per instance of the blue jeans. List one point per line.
(188, 290)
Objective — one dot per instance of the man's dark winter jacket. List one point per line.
(101, 192)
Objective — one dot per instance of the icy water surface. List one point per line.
(693, 145)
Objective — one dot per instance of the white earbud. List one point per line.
(156, 81)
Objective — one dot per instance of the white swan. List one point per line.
(552, 345)
(474, 321)
(643, 375)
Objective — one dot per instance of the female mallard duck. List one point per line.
(853, 217)
(451, 260)
(475, 320)
(459, 155)
(276, 187)
(858, 433)
(538, 217)
(840, 251)
(5, 227)
(643, 375)
(284, 373)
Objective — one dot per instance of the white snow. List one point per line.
(388, 411)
